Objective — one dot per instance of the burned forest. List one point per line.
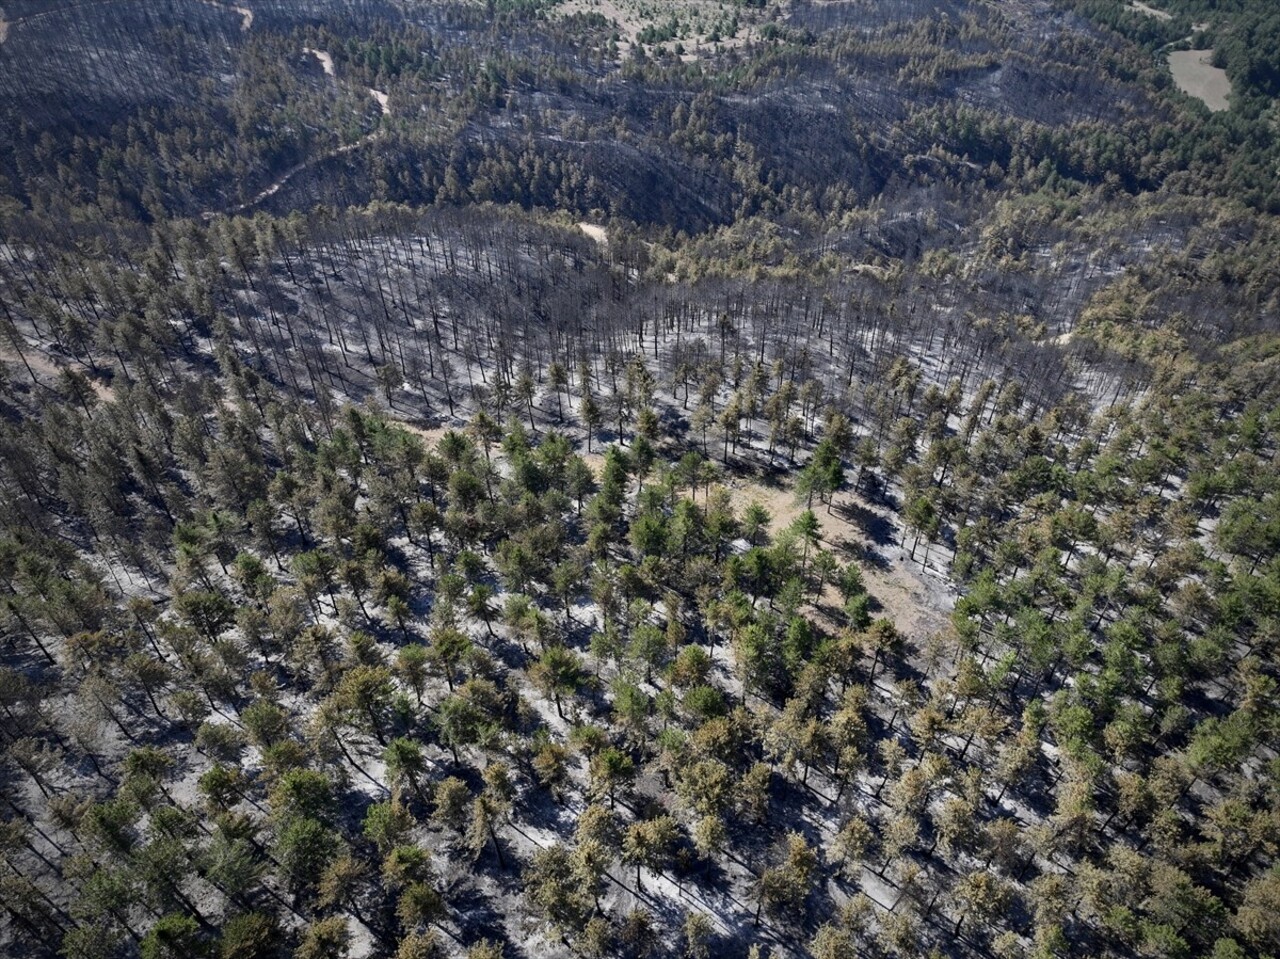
(639, 478)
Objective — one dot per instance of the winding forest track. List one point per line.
(293, 171)
(326, 64)
(246, 15)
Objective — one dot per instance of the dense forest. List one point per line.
(626, 479)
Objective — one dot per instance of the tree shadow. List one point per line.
(877, 528)
(478, 917)
(540, 809)
(863, 554)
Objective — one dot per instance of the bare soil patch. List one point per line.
(431, 436)
(595, 461)
(595, 232)
(917, 603)
(326, 60)
(246, 15)
(1194, 73)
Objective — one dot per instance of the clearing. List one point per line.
(1194, 73)
(696, 22)
(595, 232)
(246, 15)
(1193, 70)
(326, 60)
(917, 604)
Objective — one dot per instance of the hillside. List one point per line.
(611, 478)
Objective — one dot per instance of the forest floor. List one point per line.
(430, 436)
(38, 362)
(854, 530)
